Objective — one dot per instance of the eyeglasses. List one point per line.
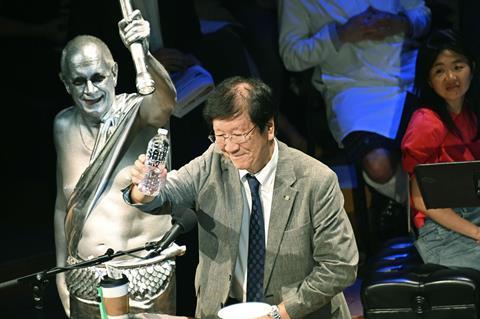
(232, 138)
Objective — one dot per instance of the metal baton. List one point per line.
(144, 81)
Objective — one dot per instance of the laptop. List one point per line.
(449, 185)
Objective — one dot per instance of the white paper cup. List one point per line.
(115, 296)
(247, 310)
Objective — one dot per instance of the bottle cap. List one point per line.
(162, 131)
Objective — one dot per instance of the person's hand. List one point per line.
(139, 169)
(372, 24)
(134, 29)
(477, 235)
(357, 28)
(387, 24)
(137, 173)
(174, 60)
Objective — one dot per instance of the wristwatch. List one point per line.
(275, 313)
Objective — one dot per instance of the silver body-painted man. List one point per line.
(96, 141)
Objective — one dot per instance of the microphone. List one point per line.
(144, 81)
(183, 220)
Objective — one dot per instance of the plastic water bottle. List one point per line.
(157, 153)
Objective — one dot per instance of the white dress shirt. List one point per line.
(266, 178)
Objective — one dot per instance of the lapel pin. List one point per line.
(286, 197)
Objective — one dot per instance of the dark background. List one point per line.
(31, 95)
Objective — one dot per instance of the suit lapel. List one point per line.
(233, 206)
(282, 204)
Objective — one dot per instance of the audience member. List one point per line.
(444, 129)
(95, 140)
(364, 59)
(272, 227)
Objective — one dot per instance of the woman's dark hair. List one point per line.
(238, 94)
(438, 41)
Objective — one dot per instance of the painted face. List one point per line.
(450, 78)
(91, 80)
(243, 143)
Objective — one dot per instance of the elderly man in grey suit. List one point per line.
(271, 222)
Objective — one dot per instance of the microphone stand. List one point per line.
(40, 279)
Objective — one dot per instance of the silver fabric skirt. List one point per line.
(147, 278)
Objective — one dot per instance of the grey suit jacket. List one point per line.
(311, 253)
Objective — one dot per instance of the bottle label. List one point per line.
(157, 155)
